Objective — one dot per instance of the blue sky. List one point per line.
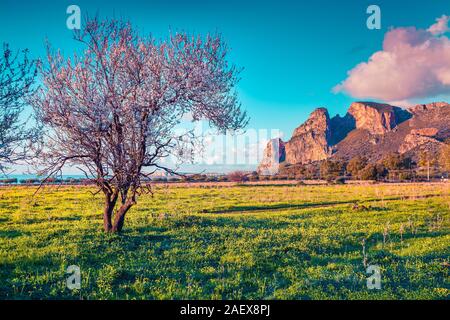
(293, 52)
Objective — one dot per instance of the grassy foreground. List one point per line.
(240, 242)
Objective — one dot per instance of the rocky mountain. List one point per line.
(368, 129)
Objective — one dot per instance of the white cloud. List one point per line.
(440, 27)
(414, 63)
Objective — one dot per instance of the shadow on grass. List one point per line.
(256, 208)
(12, 233)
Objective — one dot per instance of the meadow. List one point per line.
(229, 242)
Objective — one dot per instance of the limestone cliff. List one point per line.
(375, 117)
(310, 141)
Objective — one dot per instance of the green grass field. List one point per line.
(240, 242)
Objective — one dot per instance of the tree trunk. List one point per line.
(110, 203)
(107, 214)
(119, 218)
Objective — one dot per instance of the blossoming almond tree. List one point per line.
(113, 111)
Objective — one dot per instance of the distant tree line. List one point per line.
(393, 167)
(424, 166)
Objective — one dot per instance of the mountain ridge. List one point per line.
(368, 129)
